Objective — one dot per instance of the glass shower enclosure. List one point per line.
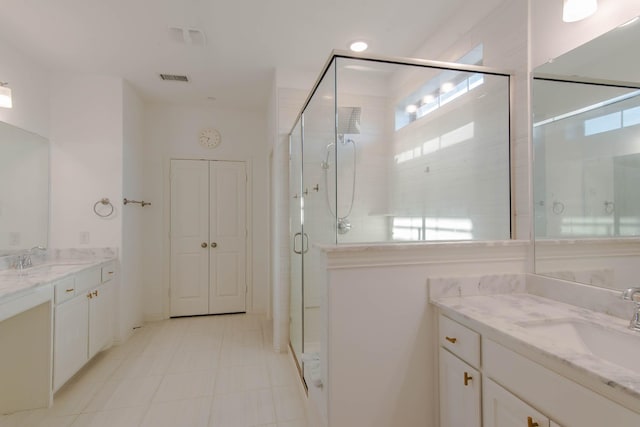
(389, 150)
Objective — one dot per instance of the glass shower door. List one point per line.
(319, 225)
(296, 326)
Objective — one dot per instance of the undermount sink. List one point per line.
(617, 347)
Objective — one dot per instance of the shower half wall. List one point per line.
(391, 150)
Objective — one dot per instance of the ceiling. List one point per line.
(246, 40)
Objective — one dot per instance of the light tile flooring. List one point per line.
(217, 371)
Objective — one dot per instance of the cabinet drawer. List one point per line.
(460, 340)
(88, 279)
(65, 289)
(108, 271)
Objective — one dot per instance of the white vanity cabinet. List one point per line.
(71, 333)
(82, 324)
(100, 312)
(503, 409)
(516, 391)
(460, 383)
(459, 392)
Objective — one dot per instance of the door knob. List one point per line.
(214, 245)
(203, 244)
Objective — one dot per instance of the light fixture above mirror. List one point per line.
(577, 10)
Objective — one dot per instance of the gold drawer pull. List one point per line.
(467, 378)
(451, 340)
(89, 295)
(69, 290)
(95, 293)
(530, 422)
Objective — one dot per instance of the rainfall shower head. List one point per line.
(349, 120)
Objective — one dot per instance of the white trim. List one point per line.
(394, 254)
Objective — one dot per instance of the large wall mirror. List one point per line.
(586, 173)
(24, 189)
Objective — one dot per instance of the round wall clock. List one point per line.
(209, 138)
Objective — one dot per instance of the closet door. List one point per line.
(227, 240)
(189, 237)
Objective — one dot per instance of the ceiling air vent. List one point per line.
(174, 77)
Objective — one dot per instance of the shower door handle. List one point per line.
(294, 243)
(305, 243)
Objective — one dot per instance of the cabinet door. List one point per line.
(459, 392)
(100, 319)
(503, 409)
(70, 339)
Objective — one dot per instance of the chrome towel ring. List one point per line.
(107, 212)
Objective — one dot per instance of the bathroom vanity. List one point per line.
(53, 319)
(516, 358)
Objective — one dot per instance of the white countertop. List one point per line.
(15, 283)
(498, 317)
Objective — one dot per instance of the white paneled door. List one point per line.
(208, 237)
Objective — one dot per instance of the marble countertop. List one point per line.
(14, 283)
(502, 318)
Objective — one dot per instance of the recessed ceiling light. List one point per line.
(428, 99)
(358, 46)
(411, 108)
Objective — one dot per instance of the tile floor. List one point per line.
(217, 371)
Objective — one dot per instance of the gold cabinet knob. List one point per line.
(203, 245)
(531, 423)
(467, 378)
(451, 340)
(214, 245)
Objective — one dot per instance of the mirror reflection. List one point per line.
(586, 142)
(24, 192)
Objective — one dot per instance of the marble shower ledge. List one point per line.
(417, 253)
(497, 317)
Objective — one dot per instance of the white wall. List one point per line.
(172, 132)
(86, 159)
(133, 216)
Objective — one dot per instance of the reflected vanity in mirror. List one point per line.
(586, 173)
(24, 190)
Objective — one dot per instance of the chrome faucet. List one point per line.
(24, 260)
(630, 295)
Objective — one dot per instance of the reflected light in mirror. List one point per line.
(5, 96)
(629, 22)
(447, 87)
(577, 10)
